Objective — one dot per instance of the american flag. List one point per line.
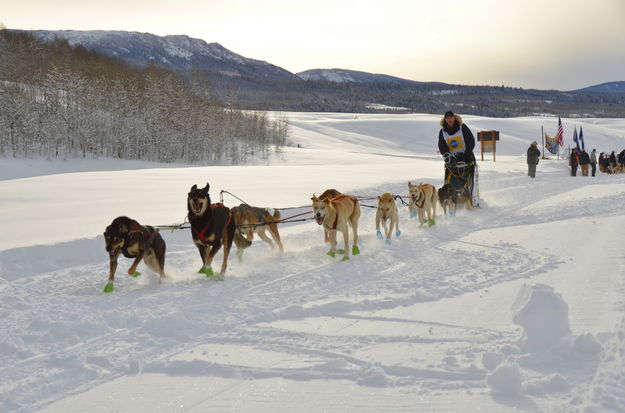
(560, 134)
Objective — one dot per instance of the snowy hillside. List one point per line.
(516, 306)
(178, 52)
(354, 76)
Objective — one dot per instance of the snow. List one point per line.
(515, 306)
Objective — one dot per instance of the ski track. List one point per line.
(134, 329)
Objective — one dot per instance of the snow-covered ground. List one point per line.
(516, 306)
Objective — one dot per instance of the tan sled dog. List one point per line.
(423, 200)
(387, 213)
(336, 214)
(252, 220)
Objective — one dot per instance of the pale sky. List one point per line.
(546, 44)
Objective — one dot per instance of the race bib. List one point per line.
(455, 143)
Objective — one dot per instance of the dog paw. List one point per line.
(331, 253)
(340, 251)
(388, 242)
(413, 214)
(345, 258)
(397, 233)
(379, 235)
(431, 222)
(108, 288)
(135, 274)
(355, 250)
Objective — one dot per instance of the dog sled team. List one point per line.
(215, 226)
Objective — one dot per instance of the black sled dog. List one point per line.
(126, 236)
(211, 227)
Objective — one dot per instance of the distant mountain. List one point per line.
(177, 52)
(354, 76)
(609, 87)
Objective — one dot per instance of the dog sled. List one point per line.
(462, 175)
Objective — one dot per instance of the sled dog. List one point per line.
(387, 214)
(328, 193)
(423, 199)
(212, 227)
(252, 220)
(448, 197)
(126, 236)
(336, 214)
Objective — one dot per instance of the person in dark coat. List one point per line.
(593, 161)
(456, 138)
(612, 160)
(584, 162)
(533, 155)
(573, 162)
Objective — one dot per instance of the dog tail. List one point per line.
(240, 241)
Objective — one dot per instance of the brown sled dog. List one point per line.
(211, 227)
(423, 199)
(335, 214)
(126, 236)
(387, 214)
(328, 193)
(252, 220)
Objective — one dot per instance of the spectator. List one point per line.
(573, 162)
(533, 155)
(584, 161)
(593, 161)
(612, 161)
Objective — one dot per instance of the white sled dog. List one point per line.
(336, 214)
(423, 200)
(387, 214)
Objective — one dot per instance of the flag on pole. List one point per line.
(560, 134)
(581, 137)
(551, 144)
(576, 140)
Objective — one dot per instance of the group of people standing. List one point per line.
(607, 163)
(582, 159)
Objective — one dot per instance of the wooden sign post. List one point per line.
(489, 139)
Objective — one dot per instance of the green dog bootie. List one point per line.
(331, 253)
(355, 250)
(431, 222)
(345, 258)
(135, 274)
(108, 288)
(208, 271)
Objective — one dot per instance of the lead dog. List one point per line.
(387, 214)
(423, 199)
(252, 220)
(211, 227)
(126, 236)
(337, 214)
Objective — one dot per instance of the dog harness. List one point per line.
(354, 200)
(139, 233)
(202, 233)
(423, 202)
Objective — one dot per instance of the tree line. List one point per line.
(59, 101)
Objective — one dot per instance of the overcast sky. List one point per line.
(546, 44)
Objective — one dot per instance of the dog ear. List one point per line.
(379, 198)
(314, 198)
(206, 188)
(194, 187)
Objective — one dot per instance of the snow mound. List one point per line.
(506, 380)
(543, 315)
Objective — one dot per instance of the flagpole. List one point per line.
(542, 139)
